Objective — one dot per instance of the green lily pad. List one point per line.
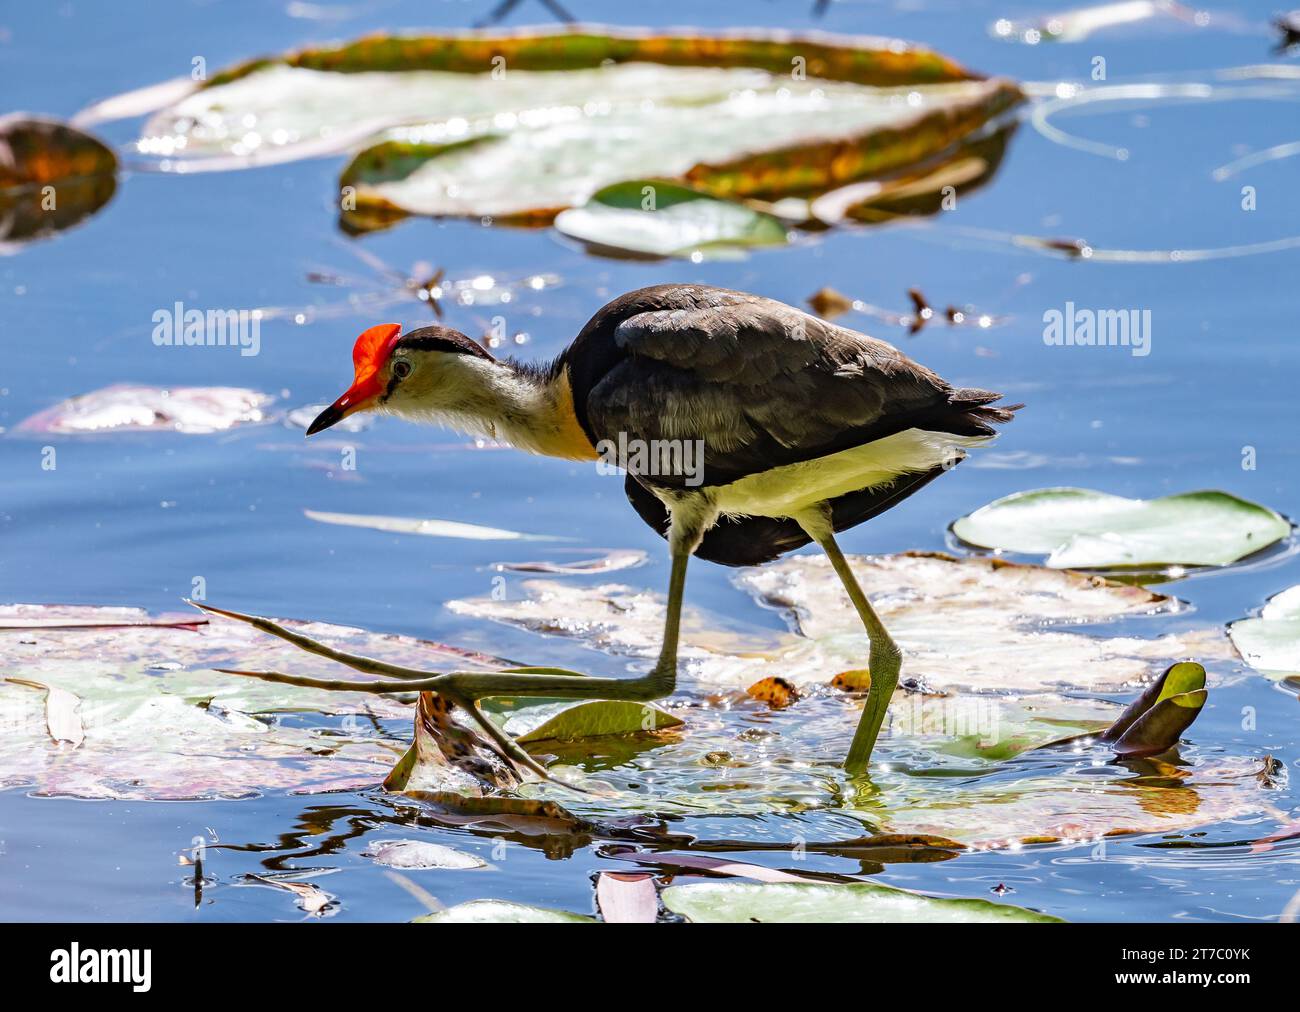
(570, 720)
(1082, 529)
(1271, 643)
(852, 903)
(1154, 722)
(663, 219)
(519, 126)
(501, 912)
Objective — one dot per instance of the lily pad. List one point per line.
(430, 528)
(573, 110)
(566, 720)
(51, 177)
(158, 722)
(1082, 529)
(124, 408)
(975, 624)
(413, 855)
(988, 681)
(852, 903)
(663, 219)
(501, 912)
(1271, 642)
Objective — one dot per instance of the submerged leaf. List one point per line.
(1083, 529)
(1271, 642)
(853, 903)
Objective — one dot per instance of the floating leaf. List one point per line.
(775, 692)
(500, 912)
(567, 720)
(854, 680)
(626, 898)
(420, 854)
(615, 560)
(160, 723)
(51, 177)
(662, 219)
(527, 124)
(1271, 642)
(964, 624)
(717, 866)
(853, 903)
(923, 189)
(123, 408)
(1082, 529)
(428, 528)
(962, 758)
(1077, 25)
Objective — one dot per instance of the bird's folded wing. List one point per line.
(760, 383)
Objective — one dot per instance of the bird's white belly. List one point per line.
(790, 489)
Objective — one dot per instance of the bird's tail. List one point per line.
(978, 411)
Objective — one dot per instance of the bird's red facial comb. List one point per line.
(369, 355)
(373, 348)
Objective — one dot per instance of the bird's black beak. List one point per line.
(358, 397)
(325, 419)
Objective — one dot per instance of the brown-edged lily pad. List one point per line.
(454, 123)
(51, 177)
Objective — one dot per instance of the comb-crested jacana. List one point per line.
(806, 429)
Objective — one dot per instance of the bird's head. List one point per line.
(422, 373)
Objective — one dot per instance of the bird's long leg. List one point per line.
(467, 687)
(658, 682)
(884, 659)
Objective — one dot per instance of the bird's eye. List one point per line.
(401, 368)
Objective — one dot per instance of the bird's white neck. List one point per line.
(531, 409)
